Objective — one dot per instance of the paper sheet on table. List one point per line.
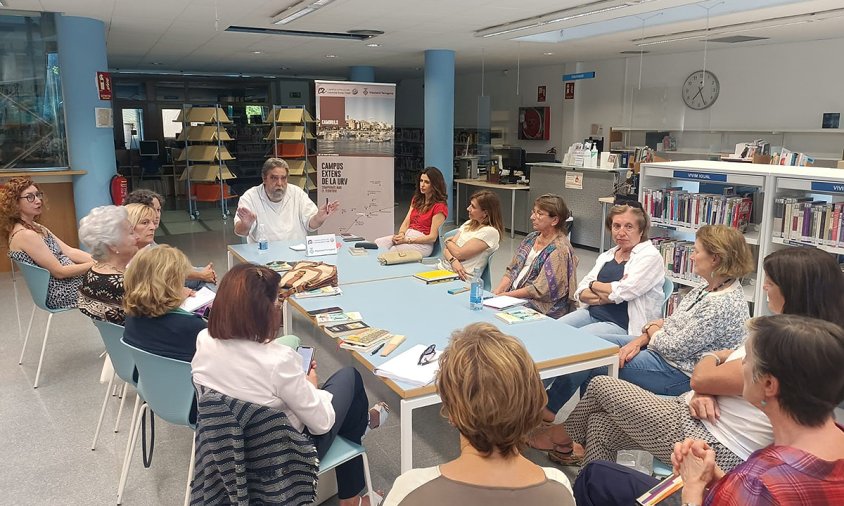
(298, 247)
(503, 302)
(202, 298)
(406, 368)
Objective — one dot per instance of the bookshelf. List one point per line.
(683, 196)
(409, 154)
(292, 137)
(822, 191)
(205, 156)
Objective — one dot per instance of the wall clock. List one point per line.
(701, 89)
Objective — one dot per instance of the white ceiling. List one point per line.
(183, 35)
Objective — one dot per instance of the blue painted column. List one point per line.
(82, 52)
(362, 74)
(439, 117)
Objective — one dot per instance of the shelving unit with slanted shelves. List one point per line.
(292, 135)
(205, 156)
(680, 189)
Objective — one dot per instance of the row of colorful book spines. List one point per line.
(817, 222)
(677, 258)
(686, 211)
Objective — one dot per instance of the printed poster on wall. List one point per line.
(355, 155)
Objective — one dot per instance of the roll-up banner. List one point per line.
(355, 155)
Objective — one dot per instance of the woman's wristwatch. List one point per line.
(647, 327)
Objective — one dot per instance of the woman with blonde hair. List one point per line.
(143, 220)
(467, 252)
(544, 268)
(492, 394)
(154, 285)
(21, 205)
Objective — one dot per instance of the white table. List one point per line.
(513, 188)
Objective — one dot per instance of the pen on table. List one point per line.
(376, 350)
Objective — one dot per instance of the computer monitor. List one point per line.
(148, 148)
(512, 158)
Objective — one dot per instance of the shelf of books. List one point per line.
(683, 196)
(808, 209)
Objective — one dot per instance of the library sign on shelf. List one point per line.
(700, 176)
(828, 187)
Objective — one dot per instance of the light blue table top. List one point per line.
(350, 269)
(427, 314)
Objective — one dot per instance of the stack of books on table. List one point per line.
(345, 329)
(366, 340)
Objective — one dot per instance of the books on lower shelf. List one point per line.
(338, 318)
(436, 276)
(503, 302)
(406, 369)
(806, 220)
(520, 315)
(678, 207)
(677, 256)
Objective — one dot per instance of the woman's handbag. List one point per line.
(399, 257)
(305, 276)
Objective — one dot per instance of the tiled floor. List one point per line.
(45, 435)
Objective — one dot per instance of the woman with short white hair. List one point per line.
(107, 232)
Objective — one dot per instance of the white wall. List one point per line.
(768, 87)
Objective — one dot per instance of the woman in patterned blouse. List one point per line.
(112, 241)
(21, 205)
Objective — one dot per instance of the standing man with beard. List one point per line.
(285, 210)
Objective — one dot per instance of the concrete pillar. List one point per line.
(82, 52)
(439, 117)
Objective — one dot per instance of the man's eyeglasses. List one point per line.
(428, 355)
(30, 197)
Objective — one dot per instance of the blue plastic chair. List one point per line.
(166, 387)
(124, 368)
(486, 275)
(37, 280)
(342, 450)
(437, 247)
(667, 290)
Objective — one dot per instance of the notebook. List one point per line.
(406, 369)
(436, 276)
(503, 302)
(202, 298)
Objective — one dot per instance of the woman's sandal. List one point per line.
(566, 458)
(378, 415)
(542, 439)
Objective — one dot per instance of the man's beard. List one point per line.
(275, 195)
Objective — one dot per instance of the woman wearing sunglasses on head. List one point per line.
(21, 206)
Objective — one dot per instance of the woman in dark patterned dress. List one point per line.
(21, 205)
(112, 241)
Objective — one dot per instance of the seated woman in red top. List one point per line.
(428, 210)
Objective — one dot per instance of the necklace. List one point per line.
(113, 267)
(703, 293)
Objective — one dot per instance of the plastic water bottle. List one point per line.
(476, 294)
(263, 243)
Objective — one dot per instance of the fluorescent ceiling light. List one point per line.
(591, 9)
(741, 27)
(295, 12)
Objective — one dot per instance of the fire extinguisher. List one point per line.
(119, 189)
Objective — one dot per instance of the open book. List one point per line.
(202, 298)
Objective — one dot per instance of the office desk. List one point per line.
(350, 269)
(512, 188)
(556, 348)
